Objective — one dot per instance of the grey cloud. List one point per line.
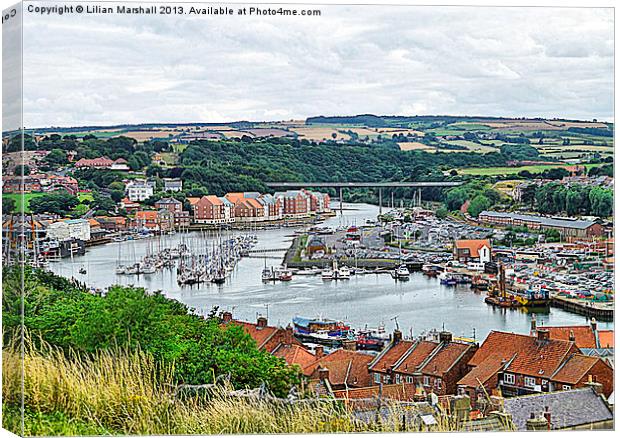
(405, 60)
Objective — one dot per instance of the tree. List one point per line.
(117, 195)
(22, 170)
(60, 202)
(8, 205)
(477, 205)
(56, 158)
(129, 318)
(441, 213)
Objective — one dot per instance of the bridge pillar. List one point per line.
(340, 195)
(380, 200)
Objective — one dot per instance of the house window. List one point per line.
(427, 381)
(530, 382)
(409, 379)
(386, 379)
(377, 378)
(438, 383)
(566, 387)
(398, 378)
(509, 379)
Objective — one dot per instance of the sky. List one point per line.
(516, 62)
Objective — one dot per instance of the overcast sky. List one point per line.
(97, 69)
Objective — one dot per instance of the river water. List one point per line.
(419, 304)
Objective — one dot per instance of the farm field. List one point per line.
(416, 146)
(495, 171)
(471, 147)
(319, 133)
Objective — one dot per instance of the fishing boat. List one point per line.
(321, 331)
(447, 279)
(372, 338)
(499, 296)
(431, 270)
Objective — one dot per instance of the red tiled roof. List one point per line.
(482, 373)
(416, 356)
(584, 336)
(575, 368)
(390, 356)
(606, 338)
(529, 355)
(473, 245)
(350, 367)
(260, 334)
(294, 355)
(146, 214)
(193, 200)
(213, 199)
(444, 359)
(234, 197)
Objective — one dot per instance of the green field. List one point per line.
(495, 171)
(26, 197)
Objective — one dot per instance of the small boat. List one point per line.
(82, 271)
(328, 274)
(285, 275)
(400, 273)
(343, 273)
(268, 274)
(120, 270)
(447, 279)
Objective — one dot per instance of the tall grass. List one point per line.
(128, 392)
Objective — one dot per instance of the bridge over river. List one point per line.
(419, 185)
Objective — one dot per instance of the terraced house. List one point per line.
(434, 366)
(520, 364)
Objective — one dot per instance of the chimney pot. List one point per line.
(398, 336)
(445, 337)
(593, 324)
(349, 345)
(319, 351)
(571, 336)
(323, 374)
(288, 335)
(261, 322)
(542, 335)
(533, 324)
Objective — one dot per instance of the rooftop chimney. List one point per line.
(593, 324)
(261, 322)
(349, 344)
(319, 351)
(533, 324)
(288, 335)
(592, 383)
(571, 336)
(542, 335)
(397, 336)
(445, 337)
(536, 422)
(547, 415)
(323, 374)
(226, 317)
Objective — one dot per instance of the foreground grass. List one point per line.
(129, 393)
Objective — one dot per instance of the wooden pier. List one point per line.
(603, 312)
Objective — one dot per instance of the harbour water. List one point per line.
(419, 304)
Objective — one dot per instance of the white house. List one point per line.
(69, 229)
(139, 190)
